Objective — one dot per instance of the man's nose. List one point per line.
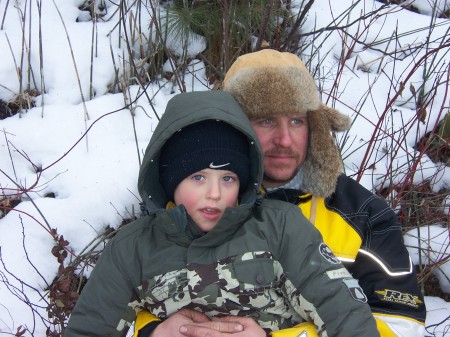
(283, 136)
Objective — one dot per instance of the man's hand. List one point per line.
(171, 326)
(223, 327)
(195, 320)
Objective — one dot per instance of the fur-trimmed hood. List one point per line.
(269, 82)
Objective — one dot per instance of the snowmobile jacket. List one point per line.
(363, 231)
(262, 260)
(358, 226)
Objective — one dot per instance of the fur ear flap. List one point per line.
(337, 121)
(323, 164)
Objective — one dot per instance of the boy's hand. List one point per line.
(223, 327)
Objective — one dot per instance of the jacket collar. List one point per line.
(181, 229)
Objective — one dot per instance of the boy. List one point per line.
(217, 248)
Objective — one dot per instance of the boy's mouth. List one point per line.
(211, 212)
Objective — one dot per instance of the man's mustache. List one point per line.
(282, 152)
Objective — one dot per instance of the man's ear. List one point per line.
(323, 163)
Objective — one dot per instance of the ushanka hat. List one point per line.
(268, 83)
(207, 144)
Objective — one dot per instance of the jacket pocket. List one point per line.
(254, 273)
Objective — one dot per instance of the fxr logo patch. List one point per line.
(389, 295)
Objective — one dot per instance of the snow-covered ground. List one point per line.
(80, 182)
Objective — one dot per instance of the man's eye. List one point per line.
(298, 121)
(265, 122)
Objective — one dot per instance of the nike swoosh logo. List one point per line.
(217, 166)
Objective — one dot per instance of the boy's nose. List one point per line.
(213, 191)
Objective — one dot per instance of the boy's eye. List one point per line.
(229, 179)
(197, 177)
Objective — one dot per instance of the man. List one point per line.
(302, 165)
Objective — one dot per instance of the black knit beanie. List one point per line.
(206, 144)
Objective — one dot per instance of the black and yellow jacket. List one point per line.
(363, 232)
(359, 227)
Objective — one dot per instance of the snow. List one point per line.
(84, 145)
(435, 245)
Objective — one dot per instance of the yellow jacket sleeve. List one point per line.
(307, 329)
(143, 318)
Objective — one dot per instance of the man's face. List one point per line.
(284, 141)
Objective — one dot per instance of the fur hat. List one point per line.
(207, 144)
(268, 83)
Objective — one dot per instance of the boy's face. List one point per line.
(205, 195)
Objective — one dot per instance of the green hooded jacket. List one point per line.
(262, 260)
